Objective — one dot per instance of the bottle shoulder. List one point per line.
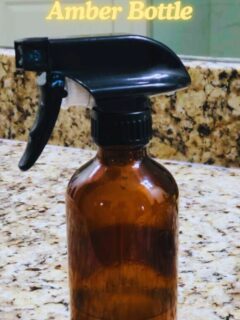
(147, 173)
(161, 176)
(142, 193)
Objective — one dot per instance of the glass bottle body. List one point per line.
(122, 238)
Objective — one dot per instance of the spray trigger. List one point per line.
(113, 74)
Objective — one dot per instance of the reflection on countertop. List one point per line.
(33, 237)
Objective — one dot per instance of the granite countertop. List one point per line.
(33, 264)
(200, 124)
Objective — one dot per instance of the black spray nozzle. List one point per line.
(32, 54)
(109, 67)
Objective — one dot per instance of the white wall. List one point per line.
(21, 19)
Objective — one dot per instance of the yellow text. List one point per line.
(172, 11)
(138, 10)
(87, 11)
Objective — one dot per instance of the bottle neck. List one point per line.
(122, 121)
(121, 155)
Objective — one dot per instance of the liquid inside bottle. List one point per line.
(122, 238)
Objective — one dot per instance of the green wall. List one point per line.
(213, 31)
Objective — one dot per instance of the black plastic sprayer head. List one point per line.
(120, 72)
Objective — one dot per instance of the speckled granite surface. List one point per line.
(33, 264)
(201, 124)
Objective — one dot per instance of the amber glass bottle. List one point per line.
(121, 206)
(122, 209)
